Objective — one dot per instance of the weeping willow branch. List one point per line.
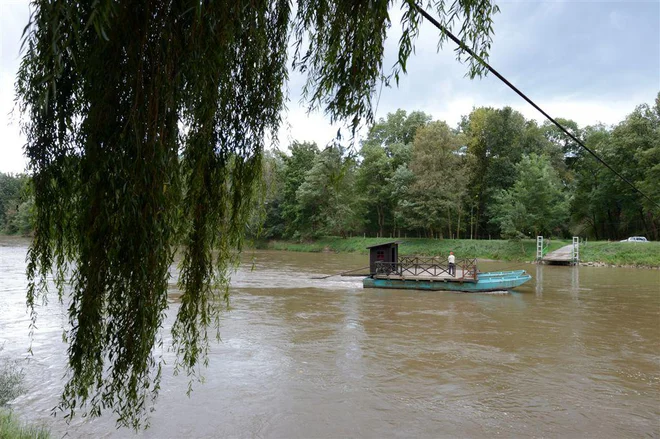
(145, 125)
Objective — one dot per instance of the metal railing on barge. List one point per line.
(420, 266)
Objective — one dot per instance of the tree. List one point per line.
(398, 129)
(604, 205)
(568, 146)
(636, 152)
(495, 145)
(402, 182)
(436, 198)
(631, 144)
(375, 170)
(12, 191)
(295, 169)
(386, 149)
(535, 204)
(267, 221)
(22, 219)
(325, 194)
(649, 161)
(126, 104)
(590, 198)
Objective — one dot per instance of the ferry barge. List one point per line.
(388, 270)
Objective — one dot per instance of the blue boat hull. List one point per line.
(494, 281)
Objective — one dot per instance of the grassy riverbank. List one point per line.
(622, 253)
(12, 428)
(603, 252)
(524, 250)
(611, 253)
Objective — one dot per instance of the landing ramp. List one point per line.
(563, 255)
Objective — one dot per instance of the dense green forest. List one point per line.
(495, 175)
(16, 204)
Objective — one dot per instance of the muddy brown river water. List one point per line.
(574, 353)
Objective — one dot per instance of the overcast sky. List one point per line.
(583, 60)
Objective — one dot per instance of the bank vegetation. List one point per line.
(524, 250)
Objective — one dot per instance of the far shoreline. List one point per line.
(593, 253)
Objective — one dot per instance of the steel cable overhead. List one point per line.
(463, 46)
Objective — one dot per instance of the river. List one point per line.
(573, 353)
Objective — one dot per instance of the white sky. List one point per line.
(583, 60)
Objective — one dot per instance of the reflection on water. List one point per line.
(575, 282)
(539, 281)
(574, 353)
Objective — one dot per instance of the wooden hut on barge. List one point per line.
(385, 253)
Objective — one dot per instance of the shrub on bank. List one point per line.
(11, 381)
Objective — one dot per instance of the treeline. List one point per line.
(494, 175)
(16, 204)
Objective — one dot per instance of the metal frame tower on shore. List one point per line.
(575, 254)
(539, 248)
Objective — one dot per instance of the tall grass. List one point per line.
(12, 428)
(11, 386)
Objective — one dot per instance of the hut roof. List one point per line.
(382, 244)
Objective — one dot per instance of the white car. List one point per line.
(635, 239)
